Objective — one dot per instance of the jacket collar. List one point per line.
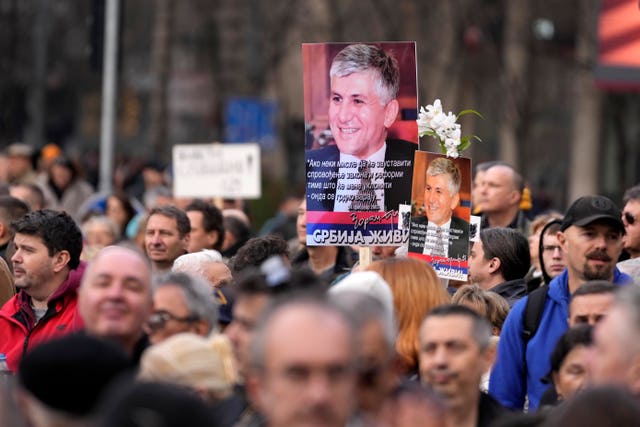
(512, 288)
(65, 291)
(559, 286)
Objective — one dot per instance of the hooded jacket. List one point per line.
(519, 369)
(18, 327)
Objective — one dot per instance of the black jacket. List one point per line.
(489, 411)
(512, 290)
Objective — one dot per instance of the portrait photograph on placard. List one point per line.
(360, 104)
(440, 215)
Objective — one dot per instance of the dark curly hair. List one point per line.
(572, 338)
(257, 250)
(57, 229)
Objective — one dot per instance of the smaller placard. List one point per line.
(474, 228)
(217, 170)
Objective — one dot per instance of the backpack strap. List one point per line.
(531, 320)
(533, 313)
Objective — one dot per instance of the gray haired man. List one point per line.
(363, 105)
(439, 232)
(207, 264)
(181, 303)
(368, 300)
(454, 353)
(303, 365)
(616, 354)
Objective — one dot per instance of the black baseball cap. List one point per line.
(588, 209)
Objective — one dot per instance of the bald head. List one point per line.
(506, 174)
(285, 315)
(303, 365)
(501, 189)
(115, 296)
(117, 251)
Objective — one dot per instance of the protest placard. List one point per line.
(216, 170)
(360, 111)
(441, 213)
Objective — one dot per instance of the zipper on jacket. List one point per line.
(51, 312)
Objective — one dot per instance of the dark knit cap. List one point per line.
(225, 296)
(69, 374)
(149, 404)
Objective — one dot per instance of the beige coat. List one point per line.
(7, 289)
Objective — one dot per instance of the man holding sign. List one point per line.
(363, 171)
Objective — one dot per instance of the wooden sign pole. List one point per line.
(364, 256)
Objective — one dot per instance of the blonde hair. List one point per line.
(488, 304)
(416, 290)
(497, 310)
(542, 219)
(472, 296)
(201, 363)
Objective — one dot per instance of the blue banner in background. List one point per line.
(251, 120)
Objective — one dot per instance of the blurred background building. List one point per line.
(192, 71)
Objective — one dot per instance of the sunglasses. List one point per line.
(159, 319)
(629, 218)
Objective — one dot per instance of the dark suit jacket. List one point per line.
(322, 176)
(458, 236)
(489, 411)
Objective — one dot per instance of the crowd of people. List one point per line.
(122, 313)
(146, 310)
(138, 309)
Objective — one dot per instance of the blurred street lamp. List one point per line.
(543, 29)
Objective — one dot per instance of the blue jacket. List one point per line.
(510, 380)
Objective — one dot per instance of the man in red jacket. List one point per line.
(47, 272)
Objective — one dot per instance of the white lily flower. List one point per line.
(435, 108)
(441, 132)
(455, 132)
(439, 121)
(451, 144)
(449, 120)
(443, 127)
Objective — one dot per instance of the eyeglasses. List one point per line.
(629, 218)
(159, 319)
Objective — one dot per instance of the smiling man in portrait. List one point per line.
(364, 170)
(439, 232)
